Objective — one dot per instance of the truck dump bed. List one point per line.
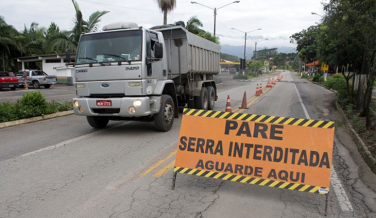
(192, 53)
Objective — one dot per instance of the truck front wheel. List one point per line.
(97, 122)
(165, 118)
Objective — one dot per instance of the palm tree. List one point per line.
(33, 39)
(166, 6)
(193, 25)
(59, 41)
(82, 26)
(9, 43)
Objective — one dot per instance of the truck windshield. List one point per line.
(110, 47)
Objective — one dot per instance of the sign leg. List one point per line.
(326, 204)
(173, 180)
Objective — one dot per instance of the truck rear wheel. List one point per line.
(202, 100)
(98, 122)
(211, 97)
(165, 118)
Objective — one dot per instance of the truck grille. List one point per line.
(107, 95)
(106, 110)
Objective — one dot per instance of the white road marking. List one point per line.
(69, 141)
(340, 192)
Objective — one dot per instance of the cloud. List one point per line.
(278, 18)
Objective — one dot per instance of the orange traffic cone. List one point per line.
(269, 85)
(260, 89)
(257, 90)
(228, 104)
(244, 102)
(273, 82)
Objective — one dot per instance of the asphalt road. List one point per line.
(63, 168)
(59, 92)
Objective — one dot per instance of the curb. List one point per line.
(35, 119)
(362, 148)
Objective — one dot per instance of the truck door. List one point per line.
(154, 66)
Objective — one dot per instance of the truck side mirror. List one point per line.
(67, 55)
(158, 50)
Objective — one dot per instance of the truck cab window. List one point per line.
(110, 47)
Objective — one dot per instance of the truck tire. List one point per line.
(165, 118)
(97, 122)
(211, 97)
(13, 88)
(202, 100)
(36, 85)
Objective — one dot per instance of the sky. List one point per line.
(278, 19)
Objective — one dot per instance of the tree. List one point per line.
(166, 6)
(355, 26)
(33, 39)
(59, 41)
(81, 26)
(9, 44)
(193, 25)
(306, 43)
(255, 66)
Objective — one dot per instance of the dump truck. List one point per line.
(127, 72)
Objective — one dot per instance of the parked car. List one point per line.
(36, 78)
(8, 80)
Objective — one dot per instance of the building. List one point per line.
(52, 64)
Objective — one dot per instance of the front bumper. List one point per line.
(120, 106)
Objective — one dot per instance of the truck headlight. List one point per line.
(81, 109)
(131, 110)
(75, 103)
(137, 103)
(80, 85)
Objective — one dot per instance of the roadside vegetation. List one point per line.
(338, 82)
(345, 40)
(31, 104)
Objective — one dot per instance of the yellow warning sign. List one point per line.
(288, 153)
(324, 67)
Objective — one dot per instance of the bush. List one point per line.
(8, 112)
(337, 76)
(338, 84)
(31, 104)
(240, 76)
(321, 79)
(316, 78)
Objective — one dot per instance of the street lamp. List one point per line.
(256, 47)
(215, 11)
(245, 41)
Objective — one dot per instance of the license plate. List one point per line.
(104, 103)
(11, 85)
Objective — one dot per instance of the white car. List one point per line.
(36, 78)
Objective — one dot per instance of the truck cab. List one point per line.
(120, 73)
